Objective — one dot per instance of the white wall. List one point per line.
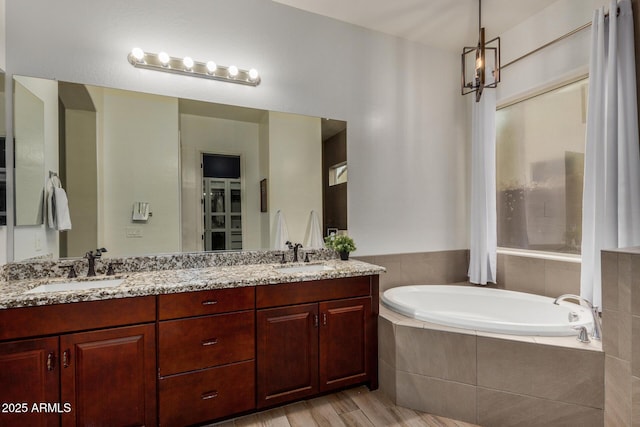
(407, 123)
(81, 183)
(294, 187)
(140, 162)
(3, 45)
(199, 135)
(556, 63)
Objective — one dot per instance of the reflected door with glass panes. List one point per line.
(222, 214)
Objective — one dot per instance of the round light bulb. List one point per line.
(163, 57)
(188, 62)
(253, 74)
(211, 67)
(233, 71)
(137, 53)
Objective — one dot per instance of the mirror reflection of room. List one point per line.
(151, 148)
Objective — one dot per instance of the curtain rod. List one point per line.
(569, 34)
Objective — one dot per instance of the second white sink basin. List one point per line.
(76, 286)
(304, 268)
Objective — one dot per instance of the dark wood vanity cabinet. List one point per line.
(103, 377)
(186, 358)
(206, 355)
(327, 343)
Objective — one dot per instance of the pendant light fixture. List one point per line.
(485, 51)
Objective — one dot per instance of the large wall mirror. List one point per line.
(137, 172)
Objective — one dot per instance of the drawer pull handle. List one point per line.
(212, 341)
(66, 358)
(209, 395)
(209, 302)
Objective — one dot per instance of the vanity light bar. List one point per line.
(188, 67)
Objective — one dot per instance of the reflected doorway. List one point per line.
(221, 202)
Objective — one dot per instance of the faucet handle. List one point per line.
(72, 270)
(110, 270)
(282, 259)
(583, 335)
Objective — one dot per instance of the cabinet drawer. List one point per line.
(60, 318)
(312, 291)
(173, 306)
(202, 342)
(206, 395)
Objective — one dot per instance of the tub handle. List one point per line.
(583, 335)
(573, 316)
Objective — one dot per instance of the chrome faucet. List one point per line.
(295, 248)
(91, 257)
(597, 325)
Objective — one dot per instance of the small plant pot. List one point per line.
(344, 256)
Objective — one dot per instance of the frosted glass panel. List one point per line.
(540, 166)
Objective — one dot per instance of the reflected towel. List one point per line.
(58, 216)
(281, 233)
(314, 238)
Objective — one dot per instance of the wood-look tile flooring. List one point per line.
(349, 408)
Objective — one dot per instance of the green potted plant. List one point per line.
(342, 244)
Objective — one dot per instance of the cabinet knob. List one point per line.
(66, 358)
(315, 320)
(209, 395)
(324, 319)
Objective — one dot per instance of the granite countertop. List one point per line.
(13, 293)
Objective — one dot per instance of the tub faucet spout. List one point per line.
(597, 325)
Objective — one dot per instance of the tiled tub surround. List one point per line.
(12, 293)
(621, 334)
(516, 273)
(424, 268)
(490, 379)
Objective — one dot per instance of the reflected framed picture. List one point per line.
(263, 195)
(331, 231)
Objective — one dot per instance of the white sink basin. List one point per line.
(304, 268)
(76, 286)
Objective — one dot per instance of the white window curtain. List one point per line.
(483, 234)
(611, 200)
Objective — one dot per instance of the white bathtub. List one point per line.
(488, 310)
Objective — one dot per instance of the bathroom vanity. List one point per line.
(186, 346)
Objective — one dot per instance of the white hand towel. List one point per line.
(58, 216)
(51, 222)
(281, 233)
(63, 219)
(314, 238)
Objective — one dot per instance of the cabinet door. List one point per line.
(108, 377)
(287, 353)
(344, 342)
(29, 375)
